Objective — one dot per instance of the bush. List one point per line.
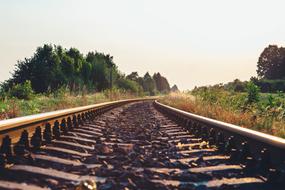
(252, 93)
(22, 91)
(129, 85)
(236, 86)
(61, 92)
(3, 94)
(267, 85)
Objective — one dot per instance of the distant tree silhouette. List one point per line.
(174, 88)
(149, 84)
(134, 76)
(236, 85)
(161, 83)
(271, 63)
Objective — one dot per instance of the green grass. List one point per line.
(12, 107)
(266, 115)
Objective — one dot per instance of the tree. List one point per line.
(134, 76)
(174, 88)
(271, 63)
(110, 65)
(44, 69)
(236, 85)
(68, 70)
(99, 70)
(149, 84)
(86, 73)
(129, 85)
(22, 91)
(53, 67)
(161, 83)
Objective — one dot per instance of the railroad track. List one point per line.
(136, 144)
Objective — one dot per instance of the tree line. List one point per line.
(271, 70)
(53, 67)
(270, 73)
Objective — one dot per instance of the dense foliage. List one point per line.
(267, 85)
(153, 85)
(252, 93)
(271, 69)
(22, 91)
(271, 63)
(161, 83)
(52, 68)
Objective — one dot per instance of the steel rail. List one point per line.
(266, 152)
(26, 120)
(42, 118)
(133, 146)
(23, 133)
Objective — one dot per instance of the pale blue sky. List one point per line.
(190, 42)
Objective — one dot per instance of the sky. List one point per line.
(191, 42)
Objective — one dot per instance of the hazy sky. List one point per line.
(190, 42)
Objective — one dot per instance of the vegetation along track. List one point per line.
(139, 145)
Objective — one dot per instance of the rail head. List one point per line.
(257, 142)
(26, 120)
(259, 136)
(59, 121)
(25, 134)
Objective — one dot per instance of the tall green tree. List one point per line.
(110, 65)
(161, 83)
(134, 76)
(43, 70)
(149, 84)
(52, 67)
(271, 63)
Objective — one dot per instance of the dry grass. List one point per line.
(246, 119)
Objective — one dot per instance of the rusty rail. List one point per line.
(20, 134)
(257, 151)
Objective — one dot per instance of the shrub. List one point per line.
(29, 107)
(267, 85)
(61, 92)
(252, 93)
(3, 94)
(22, 91)
(129, 85)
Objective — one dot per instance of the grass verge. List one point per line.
(12, 107)
(229, 108)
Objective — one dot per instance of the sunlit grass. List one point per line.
(220, 108)
(12, 107)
